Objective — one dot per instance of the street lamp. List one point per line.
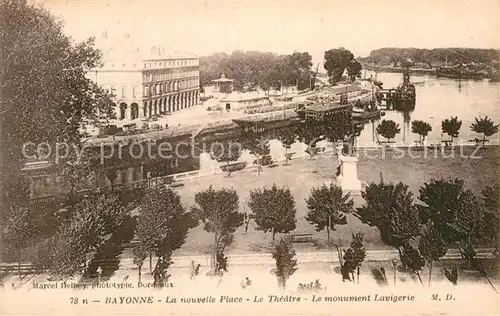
(395, 265)
(99, 272)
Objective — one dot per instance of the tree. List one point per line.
(283, 254)
(44, 89)
(225, 88)
(413, 260)
(354, 70)
(258, 146)
(163, 224)
(18, 232)
(451, 127)
(484, 126)
(218, 210)
(443, 201)
(388, 129)
(491, 202)
(422, 129)
(457, 216)
(328, 207)
(354, 255)
(390, 208)
(91, 222)
(226, 152)
(431, 246)
(336, 61)
(273, 209)
(140, 255)
(287, 138)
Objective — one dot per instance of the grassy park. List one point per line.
(301, 174)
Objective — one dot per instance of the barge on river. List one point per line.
(403, 97)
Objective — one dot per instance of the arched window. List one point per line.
(123, 110)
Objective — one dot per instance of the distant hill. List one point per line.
(431, 58)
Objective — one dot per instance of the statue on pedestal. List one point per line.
(347, 173)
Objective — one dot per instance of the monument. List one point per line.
(348, 175)
(347, 172)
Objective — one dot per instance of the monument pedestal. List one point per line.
(348, 177)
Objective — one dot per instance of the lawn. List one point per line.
(303, 174)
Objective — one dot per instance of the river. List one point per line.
(438, 99)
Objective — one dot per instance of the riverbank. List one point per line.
(224, 125)
(423, 71)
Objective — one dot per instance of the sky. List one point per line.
(203, 27)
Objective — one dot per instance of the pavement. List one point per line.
(301, 257)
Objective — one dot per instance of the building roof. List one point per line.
(322, 107)
(339, 90)
(223, 79)
(123, 49)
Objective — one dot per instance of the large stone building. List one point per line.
(146, 83)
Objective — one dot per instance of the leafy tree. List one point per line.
(18, 232)
(225, 88)
(444, 200)
(422, 129)
(163, 223)
(140, 255)
(92, 221)
(388, 129)
(226, 152)
(431, 246)
(354, 70)
(310, 135)
(258, 146)
(258, 68)
(491, 202)
(336, 61)
(390, 208)
(49, 101)
(218, 210)
(484, 126)
(109, 253)
(287, 138)
(354, 255)
(328, 207)
(273, 209)
(458, 217)
(413, 260)
(430, 57)
(286, 265)
(451, 127)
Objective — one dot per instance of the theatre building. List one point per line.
(146, 82)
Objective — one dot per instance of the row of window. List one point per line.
(125, 91)
(190, 62)
(172, 86)
(171, 76)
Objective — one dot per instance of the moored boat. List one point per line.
(462, 72)
(359, 114)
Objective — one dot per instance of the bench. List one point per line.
(302, 238)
